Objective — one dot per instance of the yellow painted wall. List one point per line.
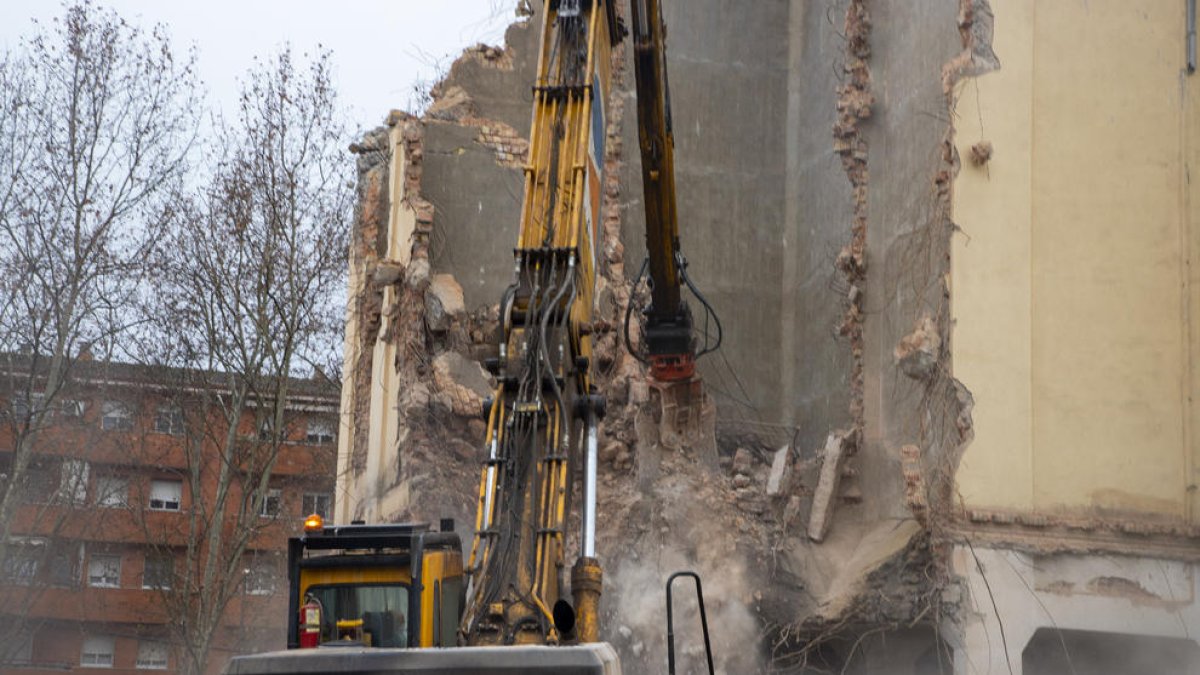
(1071, 293)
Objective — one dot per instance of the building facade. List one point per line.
(953, 245)
(114, 517)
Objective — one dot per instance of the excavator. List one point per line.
(356, 588)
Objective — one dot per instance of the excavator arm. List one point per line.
(667, 327)
(543, 416)
(669, 345)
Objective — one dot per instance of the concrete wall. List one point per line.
(1072, 293)
(906, 243)
(763, 204)
(476, 198)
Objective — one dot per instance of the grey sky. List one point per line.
(381, 47)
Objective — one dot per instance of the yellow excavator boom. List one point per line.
(542, 417)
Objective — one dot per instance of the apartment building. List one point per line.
(105, 554)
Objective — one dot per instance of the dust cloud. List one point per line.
(638, 616)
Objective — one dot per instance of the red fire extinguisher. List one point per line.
(310, 623)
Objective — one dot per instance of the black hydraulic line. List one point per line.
(709, 311)
(629, 312)
(671, 620)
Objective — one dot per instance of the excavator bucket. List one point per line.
(590, 659)
(687, 416)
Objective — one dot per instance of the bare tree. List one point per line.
(96, 122)
(248, 297)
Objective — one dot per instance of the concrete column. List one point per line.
(995, 626)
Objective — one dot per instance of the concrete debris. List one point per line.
(743, 461)
(837, 448)
(491, 56)
(981, 152)
(852, 494)
(914, 482)
(780, 470)
(443, 303)
(415, 399)
(624, 460)
(918, 352)
(462, 382)
(387, 272)
(609, 451)
(875, 550)
(417, 274)
(976, 26)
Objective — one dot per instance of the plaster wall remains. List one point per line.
(1073, 298)
(1071, 274)
(951, 246)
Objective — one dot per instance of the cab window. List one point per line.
(382, 609)
(449, 603)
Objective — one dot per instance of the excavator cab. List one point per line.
(391, 586)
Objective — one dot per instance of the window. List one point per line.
(382, 608)
(320, 432)
(318, 503)
(165, 495)
(71, 408)
(98, 652)
(169, 420)
(260, 575)
(21, 404)
(112, 491)
(116, 416)
(22, 560)
(152, 655)
(20, 652)
(39, 484)
(72, 486)
(265, 432)
(64, 565)
(159, 572)
(271, 503)
(104, 571)
(448, 597)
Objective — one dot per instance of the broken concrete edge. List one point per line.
(854, 103)
(780, 469)
(838, 446)
(452, 104)
(365, 303)
(929, 466)
(1138, 525)
(1056, 536)
(929, 462)
(919, 353)
(883, 584)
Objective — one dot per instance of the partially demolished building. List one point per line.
(957, 397)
